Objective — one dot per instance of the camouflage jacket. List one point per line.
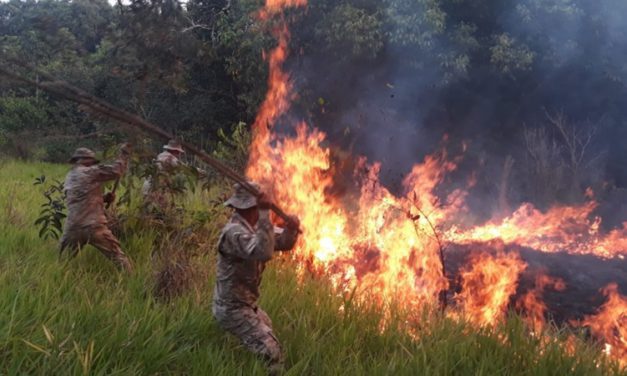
(242, 254)
(166, 162)
(83, 192)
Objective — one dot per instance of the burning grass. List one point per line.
(610, 323)
(377, 259)
(388, 248)
(84, 317)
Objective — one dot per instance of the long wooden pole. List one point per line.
(65, 90)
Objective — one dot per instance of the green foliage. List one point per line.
(233, 148)
(20, 113)
(142, 58)
(57, 150)
(350, 32)
(52, 215)
(457, 63)
(530, 9)
(240, 40)
(196, 69)
(4, 138)
(509, 56)
(415, 23)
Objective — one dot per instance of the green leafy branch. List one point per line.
(51, 217)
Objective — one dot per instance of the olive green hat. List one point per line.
(241, 198)
(83, 153)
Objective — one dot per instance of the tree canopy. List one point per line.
(478, 70)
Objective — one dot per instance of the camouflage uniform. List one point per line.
(242, 254)
(166, 163)
(86, 222)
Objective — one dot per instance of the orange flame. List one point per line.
(561, 228)
(381, 245)
(386, 246)
(276, 101)
(276, 6)
(373, 246)
(532, 303)
(610, 324)
(487, 286)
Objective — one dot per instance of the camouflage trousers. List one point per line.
(156, 199)
(254, 328)
(100, 237)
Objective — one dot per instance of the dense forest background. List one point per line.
(535, 88)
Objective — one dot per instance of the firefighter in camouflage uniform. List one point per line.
(86, 222)
(246, 243)
(155, 189)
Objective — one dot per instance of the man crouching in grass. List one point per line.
(246, 243)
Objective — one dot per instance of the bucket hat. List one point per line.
(83, 153)
(241, 198)
(174, 145)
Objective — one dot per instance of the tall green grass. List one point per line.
(84, 317)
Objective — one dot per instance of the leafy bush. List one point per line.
(53, 213)
(233, 148)
(21, 113)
